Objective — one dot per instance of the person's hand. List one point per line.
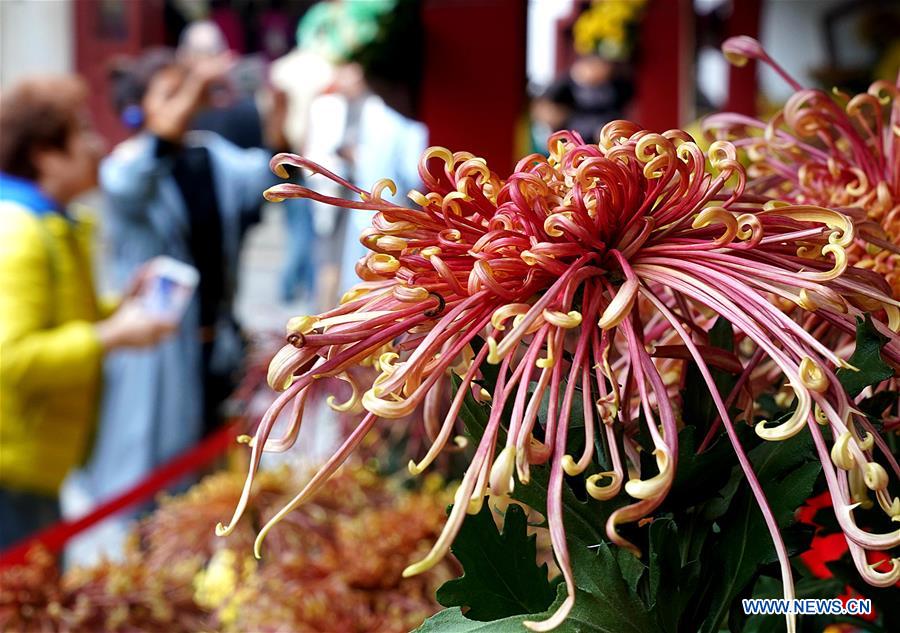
(166, 111)
(175, 94)
(207, 70)
(133, 326)
(138, 279)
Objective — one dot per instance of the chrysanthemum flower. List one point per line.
(583, 270)
(836, 151)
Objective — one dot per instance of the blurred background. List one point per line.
(494, 77)
(361, 87)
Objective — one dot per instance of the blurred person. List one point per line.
(231, 112)
(298, 275)
(349, 85)
(362, 129)
(232, 108)
(594, 94)
(239, 117)
(230, 23)
(547, 116)
(54, 333)
(180, 193)
(297, 79)
(275, 30)
(378, 142)
(303, 74)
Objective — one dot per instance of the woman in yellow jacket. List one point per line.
(53, 334)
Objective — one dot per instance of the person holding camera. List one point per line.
(181, 194)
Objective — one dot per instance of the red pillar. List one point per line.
(742, 82)
(473, 85)
(663, 77)
(104, 30)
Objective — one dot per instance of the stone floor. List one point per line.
(257, 305)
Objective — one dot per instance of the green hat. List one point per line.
(339, 30)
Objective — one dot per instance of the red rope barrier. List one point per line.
(55, 537)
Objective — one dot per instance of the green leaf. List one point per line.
(700, 477)
(453, 621)
(603, 603)
(605, 600)
(584, 520)
(631, 566)
(788, 471)
(586, 616)
(866, 358)
(672, 580)
(501, 576)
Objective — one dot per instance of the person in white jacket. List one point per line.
(378, 142)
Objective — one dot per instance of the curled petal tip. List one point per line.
(493, 358)
(895, 509)
(812, 376)
(868, 440)
(606, 492)
(841, 454)
(656, 485)
(280, 373)
(620, 306)
(793, 425)
(570, 466)
(222, 529)
(882, 578)
(563, 320)
(893, 314)
(501, 475)
(301, 324)
(257, 546)
(742, 48)
(721, 216)
(875, 477)
(475, 504)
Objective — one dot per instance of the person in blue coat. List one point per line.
(184, 194)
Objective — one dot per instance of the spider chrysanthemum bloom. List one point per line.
(593, 269)
(837, 151)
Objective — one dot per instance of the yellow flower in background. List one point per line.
(218, 581)
(219, 586)
(604, 27)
